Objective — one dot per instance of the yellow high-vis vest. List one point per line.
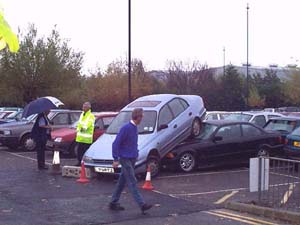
(85, 128)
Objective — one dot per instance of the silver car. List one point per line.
(168, 120)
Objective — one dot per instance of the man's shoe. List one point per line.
(146, 207)
(116, 207)
(43, 167)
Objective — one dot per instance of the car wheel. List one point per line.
(196, 127)
(187, 162)
(28, 143)
(73, 150)
(263, 153)
(154, 163)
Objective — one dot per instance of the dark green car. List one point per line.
(292, 145)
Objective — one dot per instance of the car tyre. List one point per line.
(187, 162)
(263, 153)
(196, 127)
(73, 150)
(154, 163)
(28, 143)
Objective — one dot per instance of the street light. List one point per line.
(247, 66)
(224, 62)
(129, 50)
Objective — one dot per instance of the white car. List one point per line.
(257, 118)
(217, 115)
(168, 120)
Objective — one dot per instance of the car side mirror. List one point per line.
(162, 127)
(96, 127)
(217, 138)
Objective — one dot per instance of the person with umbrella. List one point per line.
(41, 128)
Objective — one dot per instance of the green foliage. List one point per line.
(292, 88)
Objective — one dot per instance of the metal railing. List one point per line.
(279, 183)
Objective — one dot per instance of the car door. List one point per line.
(259, 120)
(251, 139)
(60, 120)
(225, 149)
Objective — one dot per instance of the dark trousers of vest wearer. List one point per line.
(40, 150)
(81, 149)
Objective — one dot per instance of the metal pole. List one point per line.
(224, 64)
(129, 50)
(247, 66)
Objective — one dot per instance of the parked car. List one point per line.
(223, 142)
(15, 116)
(18, 134)
(292, 145)
(64, 139)
(257, 118)
(4, 114)
(168, 120)
(283, 125)
(217, 115)
(16, 109)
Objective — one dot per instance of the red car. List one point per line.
(64, 139)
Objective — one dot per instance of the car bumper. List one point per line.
(9, 141)
(292, 152)
(58, 146)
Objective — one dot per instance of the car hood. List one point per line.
(63, 132)
(102, 148)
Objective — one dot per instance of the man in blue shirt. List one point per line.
(125, 152)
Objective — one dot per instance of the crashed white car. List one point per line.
(168, 120)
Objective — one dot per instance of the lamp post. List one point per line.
(129, 50)
(247, 66)
(224, 62)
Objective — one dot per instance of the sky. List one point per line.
(164, 30)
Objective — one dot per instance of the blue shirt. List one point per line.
(126, 143)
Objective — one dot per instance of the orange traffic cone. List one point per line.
(148, 185)
(83, 178)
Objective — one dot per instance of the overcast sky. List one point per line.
(164, 30)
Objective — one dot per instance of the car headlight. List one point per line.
(87, 159)
(7, 132)
(58, 139)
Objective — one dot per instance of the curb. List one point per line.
(292, 217)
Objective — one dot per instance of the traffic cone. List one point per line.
(83, 179)
(56, 163)
(148, 185)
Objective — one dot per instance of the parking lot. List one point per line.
(32, 197)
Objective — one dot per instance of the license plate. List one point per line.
(50, 144)
(104, 170)
(297, 143)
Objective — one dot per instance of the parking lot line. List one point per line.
(201, 174)
(260, 221)
(288, 194)
(232, 218)
(25, 157)
(226, 197)
(209, 192)
(285, 175)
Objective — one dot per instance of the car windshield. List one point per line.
(30, 118)
(239, 117)
(281, 125)
(206, 131)
(13, 115)
(296, 132)
(147, 125)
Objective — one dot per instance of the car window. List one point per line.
(259, 120)
(184, 103)
(61, 119)
(74, 117)
(296, 132)
(250, 131)
(229, 132)
(165, 115)
(107, 121)
(99, 124)
(281, 125)
(272, 116)
(176, 107)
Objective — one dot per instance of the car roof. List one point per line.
(65, 110)
(225, 122)
(103, 114)
(286, 118)
(259, 113)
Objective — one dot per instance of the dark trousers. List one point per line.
(40, 150)
(81, 149)
(127, 176)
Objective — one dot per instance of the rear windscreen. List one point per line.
(281, 125)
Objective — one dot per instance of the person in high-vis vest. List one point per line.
(85, 131)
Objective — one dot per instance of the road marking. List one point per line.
(288, 194)
(244, 217)
(285, 175)
(200, 174)
(224, 198)
(233, 218)
(25, 157)
(209, 192)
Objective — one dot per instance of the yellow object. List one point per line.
(85, 128)
(7, 36)
(296, 143)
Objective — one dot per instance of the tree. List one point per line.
(43, 66)
(255, 100)
(292, 88)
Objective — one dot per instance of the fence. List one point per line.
(279, 183)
